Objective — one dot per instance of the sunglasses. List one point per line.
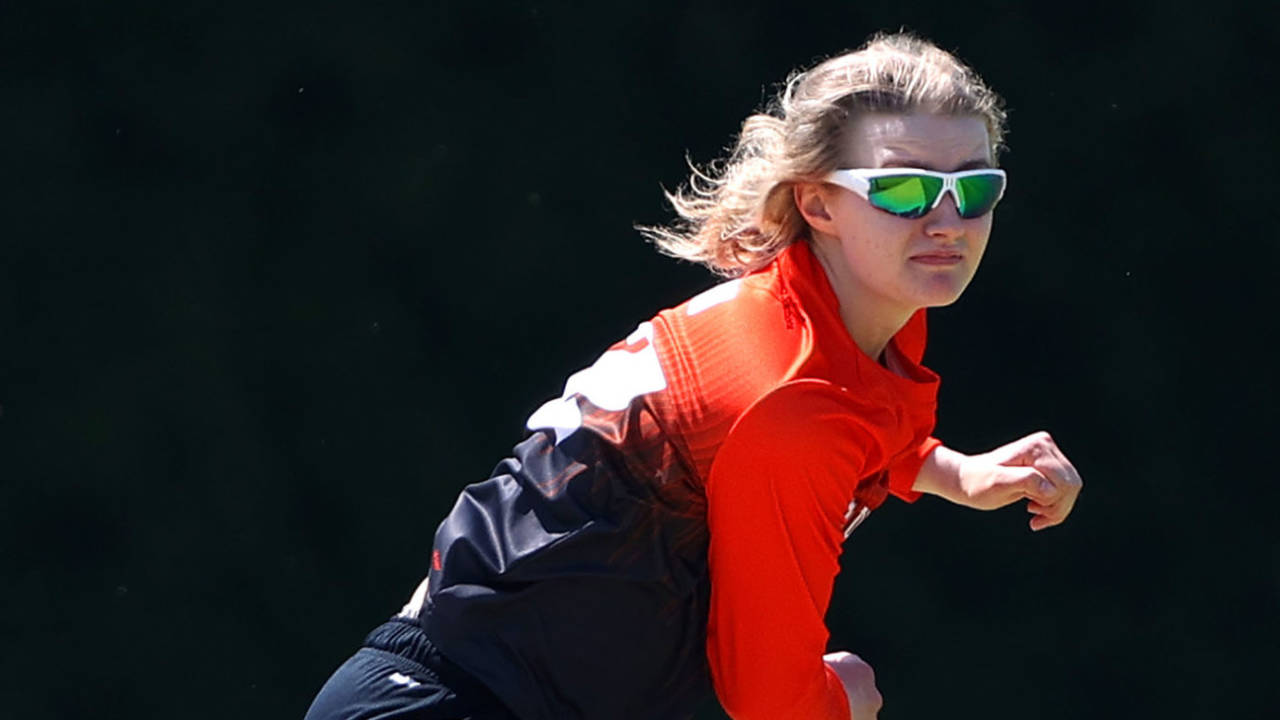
(912, 193)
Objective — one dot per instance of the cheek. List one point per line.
(868, 233)
(978, 236)
(874, 250)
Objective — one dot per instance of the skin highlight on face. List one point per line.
(882, 267)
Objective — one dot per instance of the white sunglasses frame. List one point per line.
(858, 181)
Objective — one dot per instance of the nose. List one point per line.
(944, 221)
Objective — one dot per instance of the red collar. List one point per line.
(832, 353)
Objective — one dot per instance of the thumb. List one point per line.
(1031, 482)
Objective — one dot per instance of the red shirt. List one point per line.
(674, 520)
(794, 430)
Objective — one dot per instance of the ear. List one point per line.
(812, 201)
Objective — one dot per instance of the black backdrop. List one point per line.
(278, 280)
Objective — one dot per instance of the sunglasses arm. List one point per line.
(850, 181)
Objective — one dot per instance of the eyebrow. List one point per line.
(975, 164)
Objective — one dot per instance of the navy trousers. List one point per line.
(400, 675)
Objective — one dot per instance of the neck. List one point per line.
(871, 321)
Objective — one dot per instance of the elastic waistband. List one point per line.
(406, 638)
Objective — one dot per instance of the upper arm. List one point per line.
(777, 497)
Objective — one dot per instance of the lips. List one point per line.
(939, 257)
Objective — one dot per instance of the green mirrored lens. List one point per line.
(906, 195)
(978, 194)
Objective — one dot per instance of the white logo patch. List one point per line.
(617, 378)
(404, 680)
(724, 292)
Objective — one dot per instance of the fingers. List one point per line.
(859, 682)
(1053, 493)
(1048, 514)
(1066, 480)
(1022, 451)
(1040, 451)
(1046, 520)
(1030, 483)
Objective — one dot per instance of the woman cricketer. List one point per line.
(671, 525)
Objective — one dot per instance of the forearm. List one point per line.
(940, 474)
(1031, 468)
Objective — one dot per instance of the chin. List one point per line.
(941, 290)
(939, 297)
(942, 302)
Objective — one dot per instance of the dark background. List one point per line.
(277, 280)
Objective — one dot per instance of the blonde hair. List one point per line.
(737, 214)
